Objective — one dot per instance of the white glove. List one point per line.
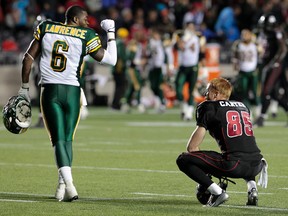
(24, 91)
(108, 25)
(83, 98)
(263, 178)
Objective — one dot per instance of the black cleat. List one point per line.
(252, 197)
(274, 115)
(259, 122)
(216, 200)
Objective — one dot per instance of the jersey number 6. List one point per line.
(59, 60)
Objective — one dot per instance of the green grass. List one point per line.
(124, 164)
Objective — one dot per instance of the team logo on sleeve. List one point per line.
(93, 45)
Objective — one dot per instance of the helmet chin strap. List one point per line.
(25, 124)
(27, 114)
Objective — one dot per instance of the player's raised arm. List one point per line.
(109, 55)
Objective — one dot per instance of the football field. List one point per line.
(124, 165)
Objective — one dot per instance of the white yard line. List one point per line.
(90, 168)
(181, 195)
(227, 206)
(108, 168)
(185, 124)
(257, 207)
(22, 201)
(147, 196)
(26, 194)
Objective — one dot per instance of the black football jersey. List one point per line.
(272, 45)
(228, 122)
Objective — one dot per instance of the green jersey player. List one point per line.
(62, 48)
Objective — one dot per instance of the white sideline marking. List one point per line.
(26, 194)
(90, 168)
(136, 193)
(160, 124)
(242, 192)
(163, 195)
(107, 168)
(83, 199)
(11, 200)
(256, 207)
(185, 124)
(181, 195)
(229, 206)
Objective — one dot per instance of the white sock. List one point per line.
(66, 173)
(214, 189)
(251, 184)
(184, 107)
(60, 178)
(189, 112)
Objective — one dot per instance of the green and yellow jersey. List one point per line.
(63, 48)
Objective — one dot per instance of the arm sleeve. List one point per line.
(110, 54)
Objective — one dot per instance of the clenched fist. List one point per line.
(108, 25)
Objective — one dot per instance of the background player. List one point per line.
(273, 73)
(157, 66)
(62, 48)
(244, 58)
(188, 50)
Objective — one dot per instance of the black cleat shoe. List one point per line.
(216, 200)
(259, 122)
(252, 197)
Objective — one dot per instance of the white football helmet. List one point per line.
(17, 114)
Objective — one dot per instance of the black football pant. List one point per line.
(198, 164)
(273, 81)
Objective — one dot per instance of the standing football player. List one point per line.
(273, 78)
(189, 50)
(228, 122)
(244, 58)
(157, 62)
(136, 63)
(62, 48)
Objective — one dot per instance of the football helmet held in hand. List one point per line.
(108, 25)
(17, 114)
(202, 194)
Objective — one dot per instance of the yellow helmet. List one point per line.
(122, 33)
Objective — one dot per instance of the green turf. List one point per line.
(124, 164)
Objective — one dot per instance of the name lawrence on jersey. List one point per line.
(66, 30)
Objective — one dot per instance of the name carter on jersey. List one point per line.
(231, 104)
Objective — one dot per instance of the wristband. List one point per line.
(25, 85)
(111, 35)
(30, 56)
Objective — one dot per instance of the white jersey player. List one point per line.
(62, 48)
(245, 60)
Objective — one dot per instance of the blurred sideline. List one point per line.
(11, 80)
